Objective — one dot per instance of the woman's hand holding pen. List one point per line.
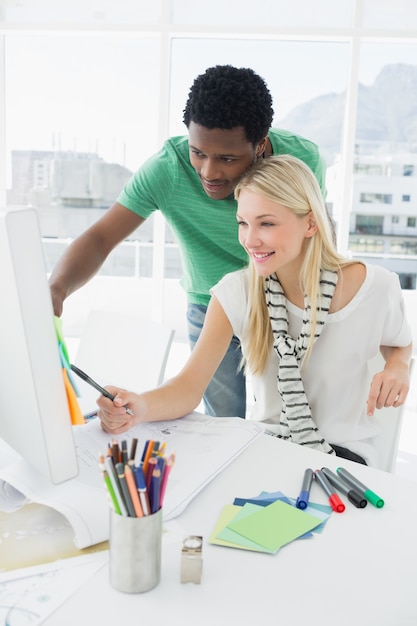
(112, 413)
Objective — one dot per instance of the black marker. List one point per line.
(371, 496)
(352, 495)
(93, 383)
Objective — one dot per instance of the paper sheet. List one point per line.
(205, 444)
(28, 596)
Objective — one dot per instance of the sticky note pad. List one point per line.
(263, 499)
(274, 525)
(319, 510)
(224, 536)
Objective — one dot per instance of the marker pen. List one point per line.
(99, 388)
(335, 502)
(354, 496)
(356, 484)
(302, 500)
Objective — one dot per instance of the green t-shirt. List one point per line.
(206, 230)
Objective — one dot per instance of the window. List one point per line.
(91, 89)
(370, 169)
(376, 198)
(408, 281)
(369, 224)
(369, 245)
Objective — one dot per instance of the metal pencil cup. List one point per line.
(135, 552)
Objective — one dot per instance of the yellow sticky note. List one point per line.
(224, 536)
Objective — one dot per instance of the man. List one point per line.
(191, 180)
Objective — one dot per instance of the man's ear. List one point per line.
(260, 149)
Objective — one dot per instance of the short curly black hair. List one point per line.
(229, 97)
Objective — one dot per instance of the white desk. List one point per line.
(362, 569)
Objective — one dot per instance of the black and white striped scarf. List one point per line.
(296, 421)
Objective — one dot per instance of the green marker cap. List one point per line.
(374, 499)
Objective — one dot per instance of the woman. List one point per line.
(308, 320)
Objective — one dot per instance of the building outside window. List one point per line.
(90, 92)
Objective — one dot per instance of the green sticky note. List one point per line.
(275, 525)
(224, 536)
(61, 339)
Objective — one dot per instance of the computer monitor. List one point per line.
(34, 414)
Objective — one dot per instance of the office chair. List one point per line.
(390, 419)
(121, 349)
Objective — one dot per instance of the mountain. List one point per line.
(387, 112)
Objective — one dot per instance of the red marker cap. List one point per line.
(336, 503)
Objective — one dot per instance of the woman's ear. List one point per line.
(312, 227)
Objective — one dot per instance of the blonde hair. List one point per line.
(288, 181)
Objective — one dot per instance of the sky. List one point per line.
(101, 92)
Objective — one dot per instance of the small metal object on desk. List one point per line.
(191, 559)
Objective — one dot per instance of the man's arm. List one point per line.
(84, 257)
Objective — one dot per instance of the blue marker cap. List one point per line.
(302, 500)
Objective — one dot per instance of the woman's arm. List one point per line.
(181, 394)
(390, 387)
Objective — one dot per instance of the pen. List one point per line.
(147, 454)
(152, 464)
(356, 484)
(165, 474)
(133, 447)
(115, 452)
(108, 464)
(93, 383)
(125, 489)
(155, 489)
(144, 451)
(141, 486)
(335, 502)
(110, 489)
(130, 480)
(125, 456)
(302, 500)
(352, 495)
(109, 485)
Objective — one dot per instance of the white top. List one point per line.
(336, 380)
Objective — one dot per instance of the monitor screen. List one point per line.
(34, 414)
